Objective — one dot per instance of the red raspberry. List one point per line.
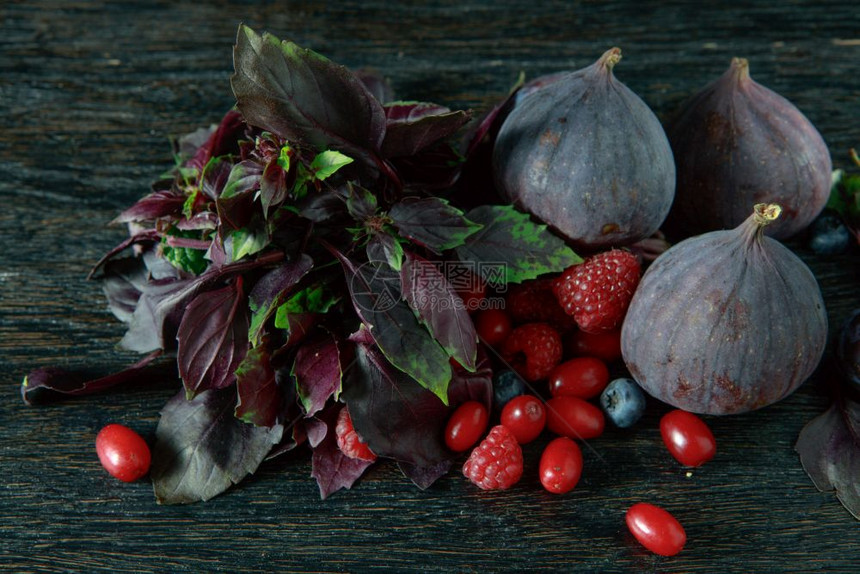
(348, 441)
(597, 292)
(541, 345)
(496, 463)
(535, 302)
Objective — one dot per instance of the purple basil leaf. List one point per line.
(440, 308)
(304, 97)
(318, 373)
(316, 430)
(332, 470)
(145, 236)
(213, 338)
(424, 476)
(397, 417)
(222, 140)
(271, 291)
(158, 314)
(201, 449)
(123, 282)
(512, 248)
(376, 296)
(829, 448)
(415, 126)
(261, 401)
(160, 308)
(383, 248)
(157, 204)
(216, 175)
(47, 383)
(244, 176)
(273, 187)
(431, 222)
(376, 84)
(235, 211)
(321, 207)
(361, 202)
(476, 385)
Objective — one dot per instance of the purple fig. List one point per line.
(737, 143)
(586, 155)
(725, 322)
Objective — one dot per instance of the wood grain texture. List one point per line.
(90, 92)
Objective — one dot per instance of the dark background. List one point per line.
(90, 92)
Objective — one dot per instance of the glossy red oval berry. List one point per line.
(493, 326)
(466, 426)
(574, 418)
(583, 377)
(604, 346)
(688, 438)
(656, 529)
(560, 465)
(525, 417)
(123, 452)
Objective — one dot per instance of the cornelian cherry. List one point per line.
(560, 465)
(688, 438)
(493, 326)
(574, 418)
(583, 377)
(525, 417)
(123, 452)
(656, 529)
(466, 425)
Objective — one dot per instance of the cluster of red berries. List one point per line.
(577, 314)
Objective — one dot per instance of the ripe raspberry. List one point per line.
(541, 345)
(597, 292)
(535, 302)
(496, 463)
(348, 441)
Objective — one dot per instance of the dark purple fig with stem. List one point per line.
(738, 143)
(726, 322)
(586, 155)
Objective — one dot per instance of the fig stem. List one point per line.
(610, 58)
(741, 68)
(766, 213)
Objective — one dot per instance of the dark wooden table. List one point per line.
(90, 92)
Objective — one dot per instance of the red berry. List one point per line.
(560, 465)
(348, 441)
(656, 529)
(496, 463)
(574, 418)
(493, 326)
(123, 452)
(541, 345)
(604, 346)
(688, 438)
(583, 377)
(535, 302)
(525, 417)
(597, 292)
(466, 425)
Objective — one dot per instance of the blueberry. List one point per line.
(507, 385)
(623, 402)
(828, 234)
